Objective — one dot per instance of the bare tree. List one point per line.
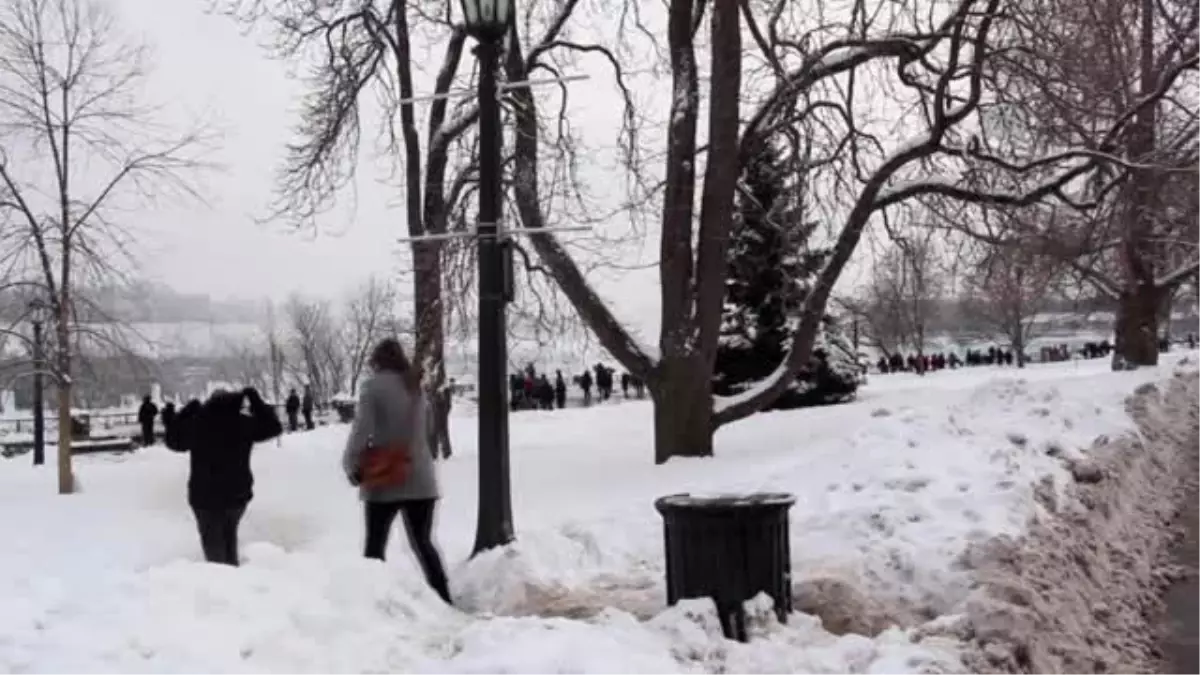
(364, 48)
(369, 316)
(320, 360)
(1118, 78)
(905, 292)
(276, 354)
(880, 323)
(1009, 281)
(244, 362)
(76, 148)
(816, 94)
(367, 48)
(819, 80)
(1008, 288)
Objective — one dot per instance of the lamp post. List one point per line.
(37, 316)
(488, 22)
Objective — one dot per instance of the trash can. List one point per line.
(728, 548)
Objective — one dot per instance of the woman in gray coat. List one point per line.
(391, 410)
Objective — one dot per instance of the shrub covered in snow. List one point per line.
(770, 273)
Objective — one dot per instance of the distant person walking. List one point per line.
(560, 390)
(146, 414)
(389, 456)
(219, 438)
(292, 408)
(585, 383)
(168, 417)
(306, 407)
(443, 403)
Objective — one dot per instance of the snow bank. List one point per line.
(1080, 592)
(891, 491)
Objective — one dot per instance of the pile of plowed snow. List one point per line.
(1080, 591)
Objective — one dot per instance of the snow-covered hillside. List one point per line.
(891, 490)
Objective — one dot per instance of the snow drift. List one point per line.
(891, 491)
(1080, 590)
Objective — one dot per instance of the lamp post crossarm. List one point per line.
(499, 234)
(507, 86)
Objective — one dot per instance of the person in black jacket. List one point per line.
(292, 407)
(146, 415)
(306, 407)
(168, 416)
(219, 438)
(560, 389)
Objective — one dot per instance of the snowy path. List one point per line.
(891, 489)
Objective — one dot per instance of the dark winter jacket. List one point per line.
(168, 416)
(147, 413)
(220, 437)
(307, 405)
(292, 405)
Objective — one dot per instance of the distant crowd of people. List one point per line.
(994, 356)
(531, 390)
(389, 456)
(925, 363)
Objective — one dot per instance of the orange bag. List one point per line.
(385, 467)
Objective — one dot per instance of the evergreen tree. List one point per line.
(770, 273)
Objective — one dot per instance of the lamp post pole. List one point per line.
(494, 525)
(39, 408)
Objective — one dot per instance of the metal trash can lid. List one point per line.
(723, 501)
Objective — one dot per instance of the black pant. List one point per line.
(292, 422)
(219, 533)
(418, 522)
(308, 420)
(148, 434)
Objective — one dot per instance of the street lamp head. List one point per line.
(487, 20)
(39, 311)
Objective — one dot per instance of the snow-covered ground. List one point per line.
(890, 491)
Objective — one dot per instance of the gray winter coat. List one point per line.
(384, 415)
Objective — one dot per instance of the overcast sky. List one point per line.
(206, 68)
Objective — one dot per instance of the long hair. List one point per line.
(389, 355)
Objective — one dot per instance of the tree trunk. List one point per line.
(66, 476)
(1018, 344)
(1137, 307)
(1137, 328)
(430, 349)
(683, 413)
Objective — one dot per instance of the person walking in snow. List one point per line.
(292, 407)
(146, 414)
(560, 390)
(585, 383)
(168, 417)
(389, 458)
(443, 403)
(604, 382)
(306, 407)
(219, 439)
